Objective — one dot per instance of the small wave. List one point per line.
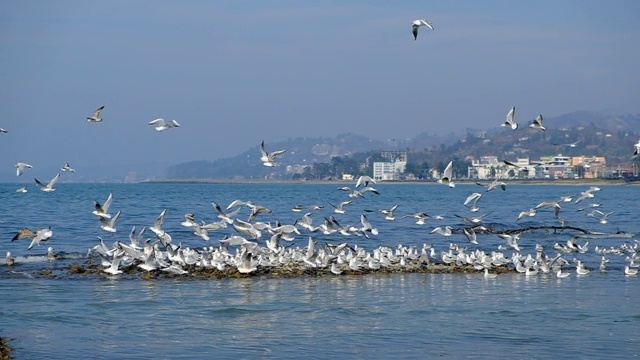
(236, 310)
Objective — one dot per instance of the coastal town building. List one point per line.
(547, 167)
(393, 168)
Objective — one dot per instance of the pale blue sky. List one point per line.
(236, 72)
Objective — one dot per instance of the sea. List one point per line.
(48, 313)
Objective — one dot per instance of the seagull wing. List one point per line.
(53, 181)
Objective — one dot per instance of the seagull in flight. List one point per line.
(510, 122)
(37, 236)
(269, 158)
(96, 115)
(366, 180)
(3, 131)
(21, 167)
(417, 24)
(103, 210)
(447, 176)
(162, 125)
(537, 123)
(68, 168)
(49, 186)
(571, 145)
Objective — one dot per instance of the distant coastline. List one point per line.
(599, 181)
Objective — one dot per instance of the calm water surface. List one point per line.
(374, 316)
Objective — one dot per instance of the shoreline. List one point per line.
(586, 182)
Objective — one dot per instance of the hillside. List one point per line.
(596, 134)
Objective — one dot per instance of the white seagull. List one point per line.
(49, 186)
(416, 25)
(162, 125)
(537, 123)
(3, 131)
(109, 225)
(510, 122)
(68, 168)
(447, 176)
(269, 158)
(366, 180)
(103, 210)
(21, 167)
(96, 115)
(22, 189)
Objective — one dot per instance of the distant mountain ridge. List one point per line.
(598, 133)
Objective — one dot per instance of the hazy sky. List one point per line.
(236, 72)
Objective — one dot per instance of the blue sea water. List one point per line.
(368, 316)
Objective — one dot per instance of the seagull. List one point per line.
(603, 216)
(366, 226)
(629, 271)
(444, 232)
(103, 210)
(471, 235)
(636, 150)
(510, 122)
(530, 212)
(22, 189)
(366, 180)
(269, 158)
(96, 115)
(489, 275)
(189, 220)
(68, 168)
(162, 125)
(388, 213)
(51, 255)
(416, 25)
(49, 186)
(419, 216)
(537, 123)
(512, 240)
(447, 176)
(546, 204)
(494, 185)
(109, 225)
(38, 236)
(3, 131)
(572, 145)
(339, 209)
(9, 260)
(475, 197)
(113, 266)
(509, 163)
(21, 167)
(561, 274)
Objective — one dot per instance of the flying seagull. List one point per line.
(510, 122)
(162, 125)
(20, 168)
(269, 158)
(96, 115)
(416, 25)
(3, 131)
(49, 186)
(537, 123)
(447, 176)
(68, 168)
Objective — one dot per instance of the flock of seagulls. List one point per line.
(255, 244)
(511, 123)
(251, 243)
(159, 124)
